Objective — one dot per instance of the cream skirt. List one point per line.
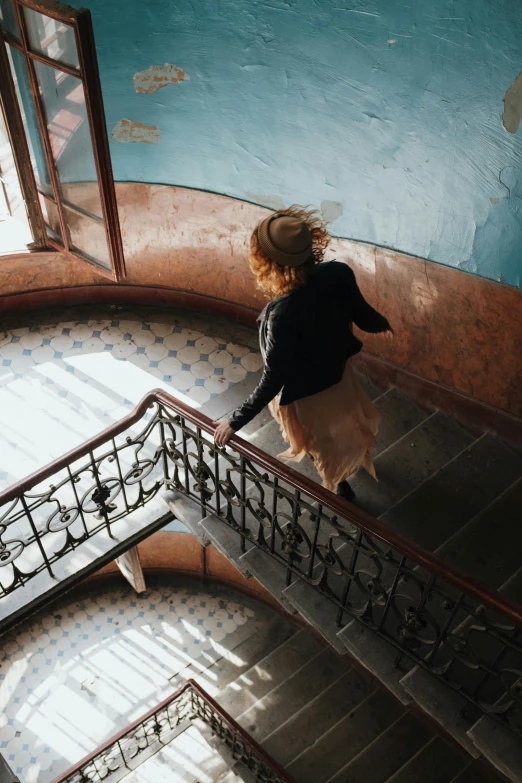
(336, 427)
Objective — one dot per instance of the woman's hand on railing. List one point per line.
(223, 434)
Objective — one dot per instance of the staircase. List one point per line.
(455, 492)
(439, 641)
(321, 720)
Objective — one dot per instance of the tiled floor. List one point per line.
(75, 677)
(64, 381)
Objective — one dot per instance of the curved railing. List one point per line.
(159, 726)
(466, 634)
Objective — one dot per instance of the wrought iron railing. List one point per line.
(158, 727)
(467, 635)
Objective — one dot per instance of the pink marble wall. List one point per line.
(451, 327)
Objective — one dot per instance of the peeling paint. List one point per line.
(513, 105)
(126, 131)
(494, 200)
(331, 210)
(272, 202)
(407, 136)
(157, 76)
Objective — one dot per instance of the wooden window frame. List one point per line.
(87, 73)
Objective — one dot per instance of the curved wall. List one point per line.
(191, 248)
(172, 553)
(388, 114)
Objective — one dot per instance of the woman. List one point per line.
(307, 343)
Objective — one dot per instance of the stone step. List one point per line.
(233, 777)
(226, 540)
(306, 727)
(234, 771)
(447, 707)
(292, 695)
(317, 610)
(244, 774)
(407, 463)
(499, 746)
(436, 762)
(270, 573)
(459, 491)
(488, 547)
(344, 741)
(228, 664)
(472, 774)
(377, 655)
(400, 415)
(386, 754)
(280, 664)
(188, 512)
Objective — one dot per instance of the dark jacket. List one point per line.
(306, 338)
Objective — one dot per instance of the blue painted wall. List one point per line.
(392, 108)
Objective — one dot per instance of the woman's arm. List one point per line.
(363, 314)
(278, 357)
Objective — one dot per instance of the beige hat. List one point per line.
(285, 239)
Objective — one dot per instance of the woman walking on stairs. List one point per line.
(307, 344)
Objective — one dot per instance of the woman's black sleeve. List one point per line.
(363, 314)
(277, 360)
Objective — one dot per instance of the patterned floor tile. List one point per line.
(62, 382)
(76, 677)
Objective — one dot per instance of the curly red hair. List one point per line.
(276, 280)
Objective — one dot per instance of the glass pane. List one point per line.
(52, 38)
(64, 103)
(52, 221)
(88, 236)
(30, 120)
(8, 18)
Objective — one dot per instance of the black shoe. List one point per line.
(345, 491)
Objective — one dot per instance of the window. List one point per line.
(52, 101)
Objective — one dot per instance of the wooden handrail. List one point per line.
(368, 524)
(188, 684)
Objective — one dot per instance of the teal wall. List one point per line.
(388, 110)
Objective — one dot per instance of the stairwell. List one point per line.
(455, 492)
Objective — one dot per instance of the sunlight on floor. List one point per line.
(78, 676)
(101, 391)
(62, 383)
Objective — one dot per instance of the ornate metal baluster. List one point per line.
(217, 481)
(36, 536)
(164, 459)
(493, 669)
(200, 472)
(391, 593)
(317, 525)
(74, 480)
(356, 547)
(242, 468)
(101, 495)
(275, 496)
(122, 754)
(292, 536)
(120, 475)
(444, 630)
(185, 456)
